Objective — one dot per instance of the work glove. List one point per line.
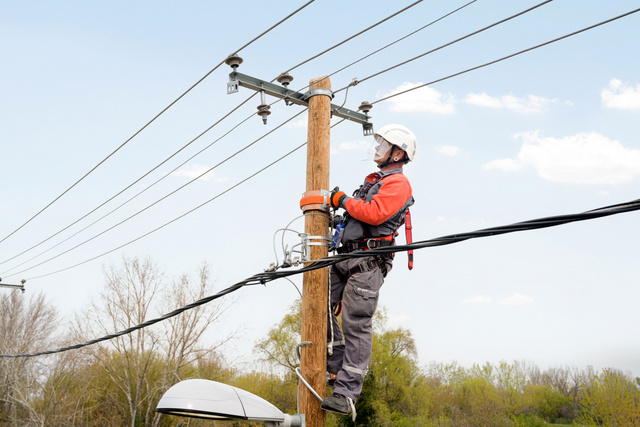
(338, 198)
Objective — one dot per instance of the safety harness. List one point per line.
(371, 242)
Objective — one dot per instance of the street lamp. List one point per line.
(207, 399)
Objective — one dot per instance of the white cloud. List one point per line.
(527, 105)
(194, 170)
(424, 100)
(516, 299)
(585, 158)
(621, 95)
(478, 299)
(483, 100)
(449, 150)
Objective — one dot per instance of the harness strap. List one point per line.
(407, 229)
(367, 244)
(367, 266)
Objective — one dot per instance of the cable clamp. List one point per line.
(316, 200)
(307, 242)
(317, 91)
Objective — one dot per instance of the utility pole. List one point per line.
(313, 356)
(314, 293)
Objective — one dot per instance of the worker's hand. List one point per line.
(338, 198)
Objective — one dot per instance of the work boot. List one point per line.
(337, 403)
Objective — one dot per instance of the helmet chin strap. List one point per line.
(389, 161)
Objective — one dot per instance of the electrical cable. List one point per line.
(512, 55)
(162, 198)
(402, 38)
(263, 278)
(451, 43)
(129, 186)
(208, 129)
(179, 217)
(356, 81)
(173, 220)
(153, 119)
(353, 36)
(131, 198)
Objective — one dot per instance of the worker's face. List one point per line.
(382, 150)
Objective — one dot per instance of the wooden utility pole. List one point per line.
(314, 296)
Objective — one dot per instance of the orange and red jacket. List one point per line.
(378, 207)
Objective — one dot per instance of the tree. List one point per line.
(135, 369)
(25, 326)
(611, 399)
(394, 390)
(278, 348)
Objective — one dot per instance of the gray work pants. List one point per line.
(352, 348)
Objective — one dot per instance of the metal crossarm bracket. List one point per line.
(7, 285)
(238, 79)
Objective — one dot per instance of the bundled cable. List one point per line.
(263, 278)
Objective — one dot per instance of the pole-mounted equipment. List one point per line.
(291, 97)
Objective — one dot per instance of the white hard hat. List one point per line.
(401, 137)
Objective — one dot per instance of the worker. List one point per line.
(372, 218)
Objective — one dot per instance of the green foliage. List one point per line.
(546, 402)
(524, 420)
(611, 399)
(280, 391)
(277, 349)
(94, 387)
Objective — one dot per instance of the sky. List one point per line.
(552, 131)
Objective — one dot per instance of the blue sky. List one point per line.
(549, 132)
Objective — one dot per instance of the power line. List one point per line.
(189, 143)
(353, 36)
(511, 56)
(125, 202)
(453, 42)
(403, 37)
(386, 46)
(152, 120)
(196, 138)
(163, 198)
(128, 187)
(181, 216)
(263, 278)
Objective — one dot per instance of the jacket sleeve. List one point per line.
(393, 194)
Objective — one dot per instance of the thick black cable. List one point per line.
(162, 198)
(263, 278)
(353, 36)
(451, 42)
(512, 55)
(153, 119)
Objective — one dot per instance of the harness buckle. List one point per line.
(364, 267)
